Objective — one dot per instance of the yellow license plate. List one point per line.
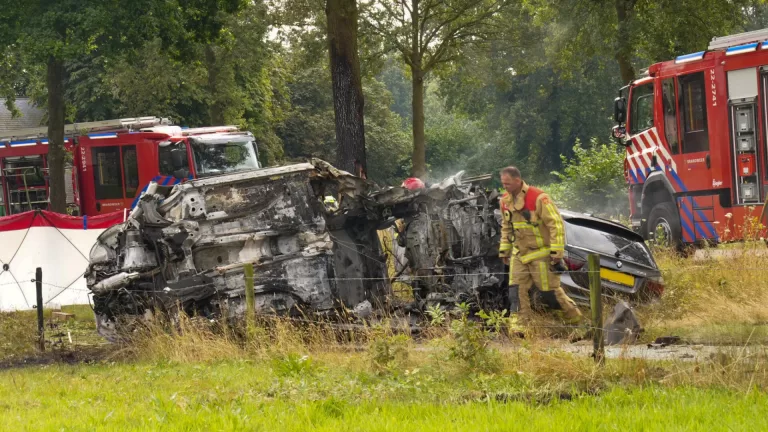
(617, 277)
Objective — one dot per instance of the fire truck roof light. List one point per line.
(690, 57)
(741, 49)
(102, 135)
(23, 143)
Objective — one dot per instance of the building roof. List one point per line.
(31, 116)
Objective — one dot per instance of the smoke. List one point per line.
(608, 203)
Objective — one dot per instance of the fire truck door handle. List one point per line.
(709, 163)
(98, 206)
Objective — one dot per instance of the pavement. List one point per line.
(692, 353)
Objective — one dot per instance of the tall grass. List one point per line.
(713, 296)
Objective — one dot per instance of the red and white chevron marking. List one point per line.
(645, 145)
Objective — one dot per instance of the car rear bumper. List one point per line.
(573, 283)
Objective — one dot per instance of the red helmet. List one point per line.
(413, 183)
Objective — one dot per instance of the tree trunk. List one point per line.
(624, 45)
(215, 108)
(419, 168)
(419, 159)
(55, 84)
(348, 100)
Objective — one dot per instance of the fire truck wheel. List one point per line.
(664, 224)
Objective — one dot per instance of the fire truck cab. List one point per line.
(114, 161)
(695, 133)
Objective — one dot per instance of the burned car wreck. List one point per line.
(185, 248)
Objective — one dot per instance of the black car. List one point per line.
(627, 267)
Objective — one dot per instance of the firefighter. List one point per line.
(532, 243)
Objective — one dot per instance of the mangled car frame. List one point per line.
(188, 246)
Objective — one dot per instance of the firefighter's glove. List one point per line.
(558, 266)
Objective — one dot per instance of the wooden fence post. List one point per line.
(250, 299)
(40, 321)
(596, 303)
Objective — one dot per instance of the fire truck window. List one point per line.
(131, 171)
(166, 159)
(670, 114)
(693, 113)
(106, 173)
(641, 109)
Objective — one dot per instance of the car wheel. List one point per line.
(664, 225)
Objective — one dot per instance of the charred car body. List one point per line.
(186, 247)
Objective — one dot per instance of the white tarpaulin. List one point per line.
(56, 243)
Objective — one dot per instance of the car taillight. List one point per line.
(573, 263)
(655, 287)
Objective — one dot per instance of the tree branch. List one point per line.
(392, 38)
(489, 11)
(457, 34)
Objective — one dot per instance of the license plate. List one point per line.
(617, 277)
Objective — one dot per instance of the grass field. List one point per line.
(250, 395)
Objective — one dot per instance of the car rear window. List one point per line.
(607, 239)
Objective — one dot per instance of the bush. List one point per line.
(389, 353)
(293, 365)
(593, 181)
(470, 344)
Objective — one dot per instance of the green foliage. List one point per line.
(531, 113)
(436, 315)
(388, 146)
(452, 138)
(593, 180)
(470, 344)
(76, 30)
(494, 319)
(389, 353)
(293, 365)
(642, 31)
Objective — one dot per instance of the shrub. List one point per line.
(593, 181)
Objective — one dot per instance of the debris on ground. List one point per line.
(622, 327)
(664, 341)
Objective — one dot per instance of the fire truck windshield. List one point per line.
(220, 156)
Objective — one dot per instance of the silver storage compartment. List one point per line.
(744, 119)
(745, 143)
(749, 192)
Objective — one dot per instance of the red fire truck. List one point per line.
(695, 131)
(113, 161)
